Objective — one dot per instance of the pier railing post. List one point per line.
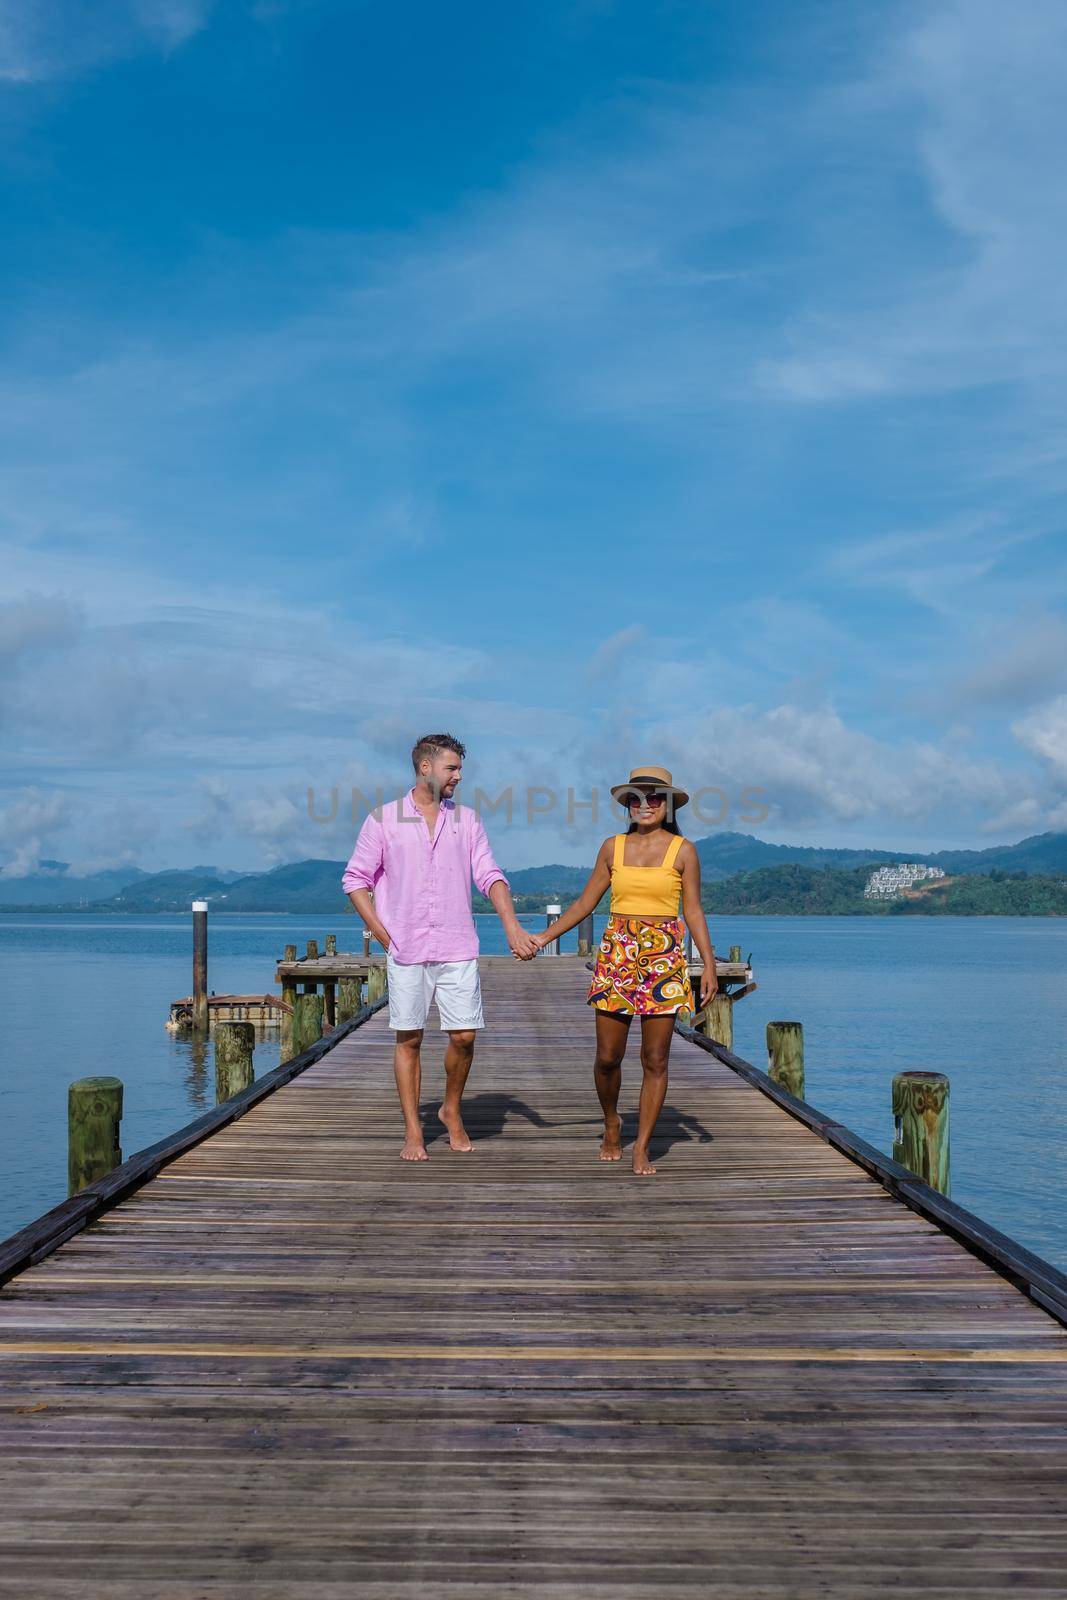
(234, 1044)
(307, 1021)
(289, 997)
(376, 983)
(200, 1007)
(551, 913)
(920, 1136)
(585, 935)
(717, 1020)
(735, 952)
(349, 998)
(331, 944)
(94, 1112)
(785, 1056)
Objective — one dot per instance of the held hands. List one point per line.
(523, 945)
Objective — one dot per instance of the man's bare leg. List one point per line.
(407, 1065)
(611, 1035)
(656, 1035)
(459, 1055)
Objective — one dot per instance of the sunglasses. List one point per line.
(654, 799)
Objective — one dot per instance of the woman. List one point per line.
(641, 967)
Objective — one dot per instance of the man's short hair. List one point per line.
(427, 747)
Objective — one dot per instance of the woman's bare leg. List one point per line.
(611, 1035)
(656, 1035)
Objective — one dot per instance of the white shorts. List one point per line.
(413, 985)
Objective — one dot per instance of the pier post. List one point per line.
(366, 941)
(920, 1137)
(289, 997)
(717, 1020)
(331, 944)
(94, 1111)
(312, 950)
(585, 936)
(551, 913)
(329, 1002)
(234, 1044)
(785, 1056)
(200, 1007)
(735, 952)
(349, 998)
(376, 983)
(307, 1021)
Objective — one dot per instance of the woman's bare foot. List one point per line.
(611, 1144)
(414, 1149)
(643, 1167)
(457, 1133)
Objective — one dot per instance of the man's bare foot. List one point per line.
(611, 1144)
(414, 1149)
(642, 1166)
(457, 1133)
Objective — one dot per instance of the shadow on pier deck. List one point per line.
(290, 1366)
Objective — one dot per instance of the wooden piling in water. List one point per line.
(717, 1020)
(94, 1112)
(200, 1010)
(289, 997)
(785, 1056)
(376, 984)
(920, 1137)
(307, 1021)
(349, 998)
(585, 936)
(234, 1044)
(735, 952)
(331, 944)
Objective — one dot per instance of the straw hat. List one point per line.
(650, 778)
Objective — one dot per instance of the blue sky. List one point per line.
(605, 382)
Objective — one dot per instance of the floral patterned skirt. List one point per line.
(641, 968)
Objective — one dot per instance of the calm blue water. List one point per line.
(983, 999)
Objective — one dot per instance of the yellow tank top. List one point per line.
(646, 891)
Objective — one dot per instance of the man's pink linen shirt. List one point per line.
(422, 887)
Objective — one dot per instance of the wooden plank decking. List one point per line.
(291, 1367)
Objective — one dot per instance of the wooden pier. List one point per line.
(290, 1367)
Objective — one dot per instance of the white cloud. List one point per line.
(42, 39)
(29, 822)
(1044, 732)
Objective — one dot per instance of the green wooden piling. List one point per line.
(785, 1056)
(290, 953)
(234, 1044)
(313, 950)
(375, 984)
(735, 952)
(94, 1112)
(331, 944)
(717, 1020)
(349, 998)
(920, 1139)
(307, 1021)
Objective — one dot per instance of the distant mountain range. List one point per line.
(314, 886)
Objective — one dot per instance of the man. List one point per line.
(419, 856)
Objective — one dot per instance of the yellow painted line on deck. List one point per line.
(534, 1353)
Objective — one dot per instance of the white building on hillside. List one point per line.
(886, 882)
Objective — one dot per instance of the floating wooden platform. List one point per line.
(291, 1367)
(263, 1009)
